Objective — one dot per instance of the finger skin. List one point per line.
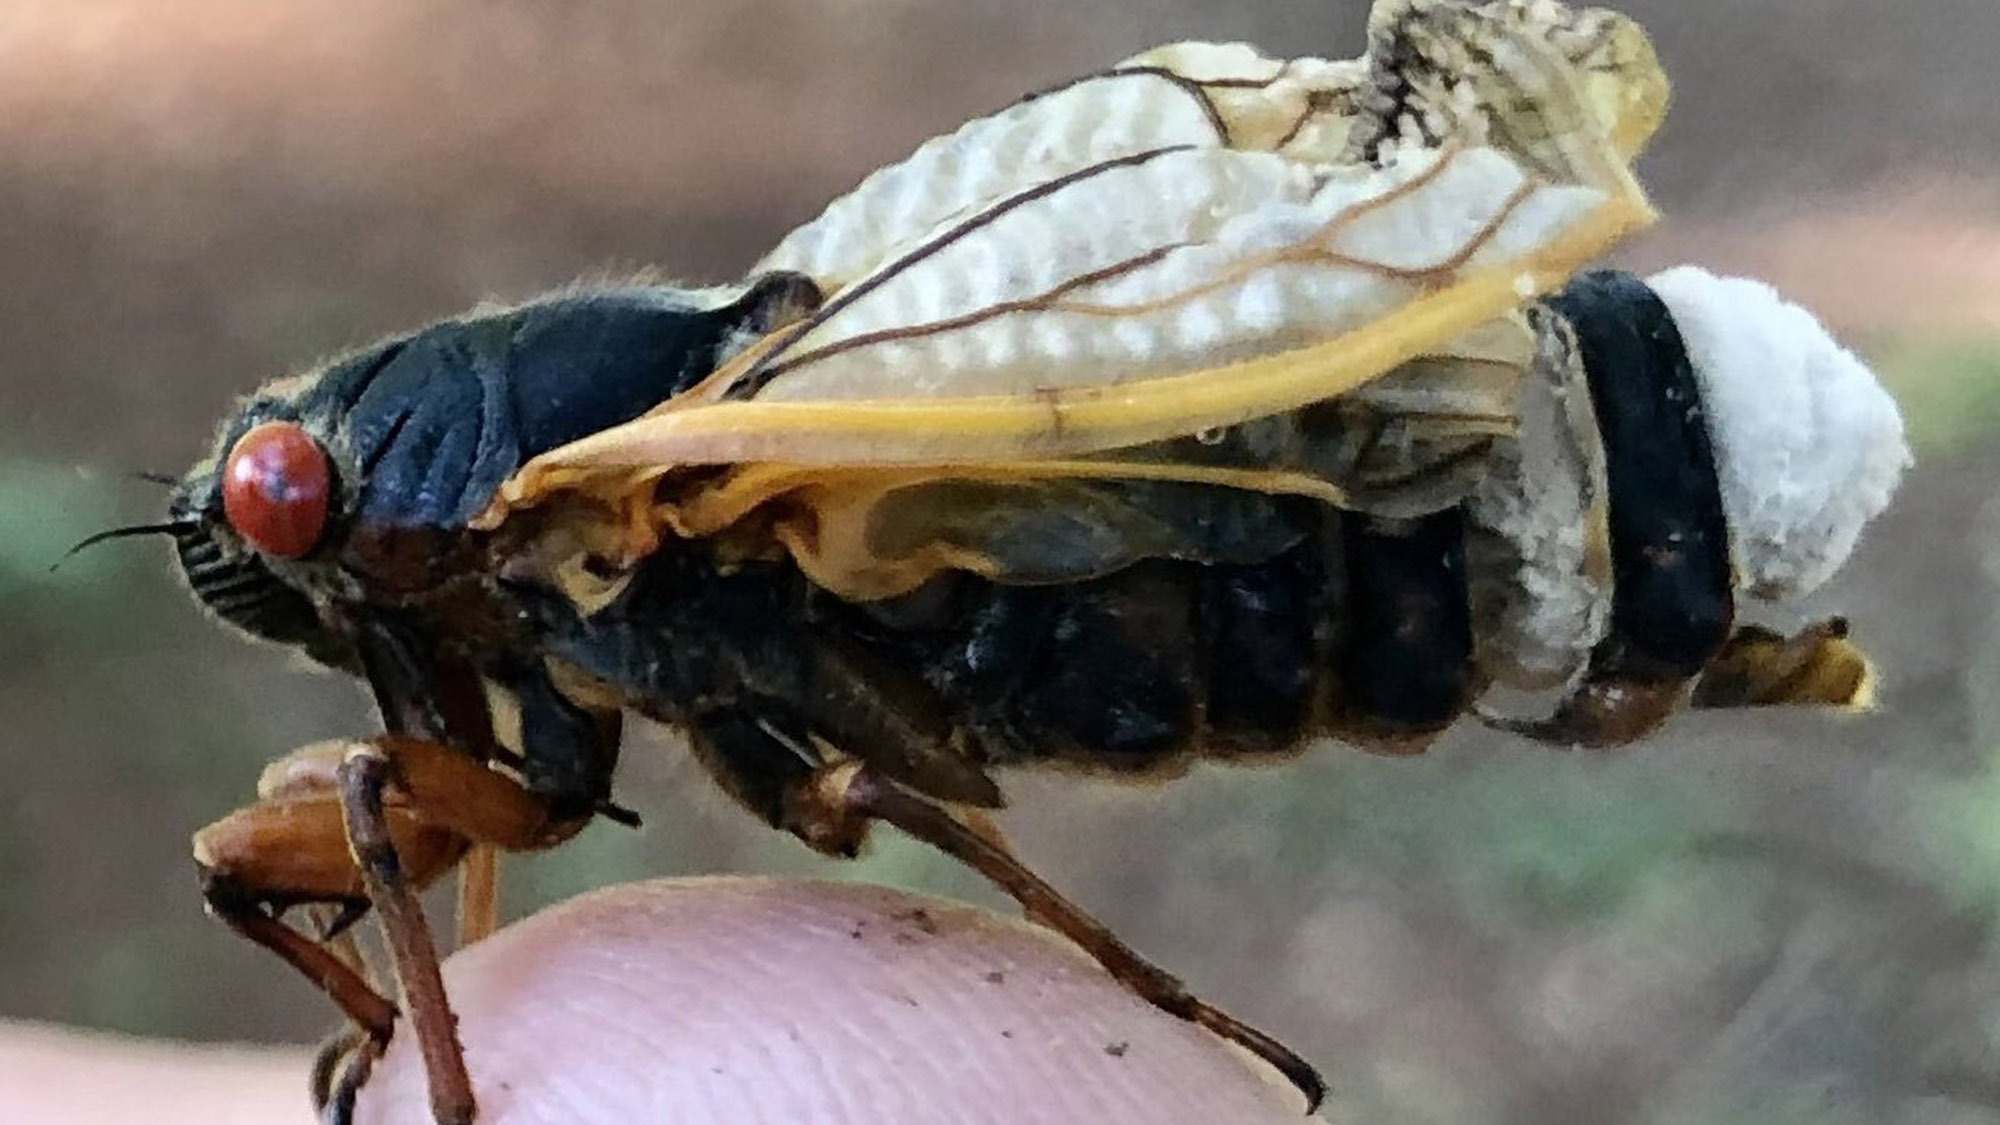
(751, 1000)
(66, 1077)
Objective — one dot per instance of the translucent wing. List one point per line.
(1198, 239)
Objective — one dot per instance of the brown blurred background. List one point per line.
(1782, 919)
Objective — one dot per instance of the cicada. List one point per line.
(1203, 408)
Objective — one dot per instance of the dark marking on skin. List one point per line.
(918, 917)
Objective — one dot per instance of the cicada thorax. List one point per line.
(358, 482)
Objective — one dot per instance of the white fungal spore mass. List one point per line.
(1808, 445)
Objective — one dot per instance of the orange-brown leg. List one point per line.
(309, 774)
(831, 812)
(364, 778)
(478, 894)
(340, 1068)
(361, 822)
(358, 999)
(260, 861)
(475, 803)
(342, 1053)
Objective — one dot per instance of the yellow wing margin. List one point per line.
(1054, 432)
(1060, 423)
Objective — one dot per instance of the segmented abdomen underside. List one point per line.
(1359, 629)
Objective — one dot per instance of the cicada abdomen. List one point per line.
(1573, 534)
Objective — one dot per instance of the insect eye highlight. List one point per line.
(276, 486)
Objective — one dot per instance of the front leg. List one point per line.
(350, 823)
(364, 779)
(290, 849)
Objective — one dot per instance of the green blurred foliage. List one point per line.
(1950, 387)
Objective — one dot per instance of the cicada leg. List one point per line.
(831, 810)
(345, 1059)
(364, 781)
(478, 894)
(290, 849)
(340, 1068)
(370, 823)
(1756, 667)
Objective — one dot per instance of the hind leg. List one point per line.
(830, 805)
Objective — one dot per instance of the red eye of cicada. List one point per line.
(275, 489)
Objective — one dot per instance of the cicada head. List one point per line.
(251, 521)
(349, 489)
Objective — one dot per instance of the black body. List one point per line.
(423, 428)
(1347, 625)
(1672, 599)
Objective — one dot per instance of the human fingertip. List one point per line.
(749, 1000)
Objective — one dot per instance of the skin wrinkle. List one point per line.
(750, 1000)
(770, 1056)
(872, 1030)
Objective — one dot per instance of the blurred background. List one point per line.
(1773, 919)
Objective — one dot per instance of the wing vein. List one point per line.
(1182, 82)
(1048, 299)
(768, 368)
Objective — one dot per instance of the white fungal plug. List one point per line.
(1808, 445)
